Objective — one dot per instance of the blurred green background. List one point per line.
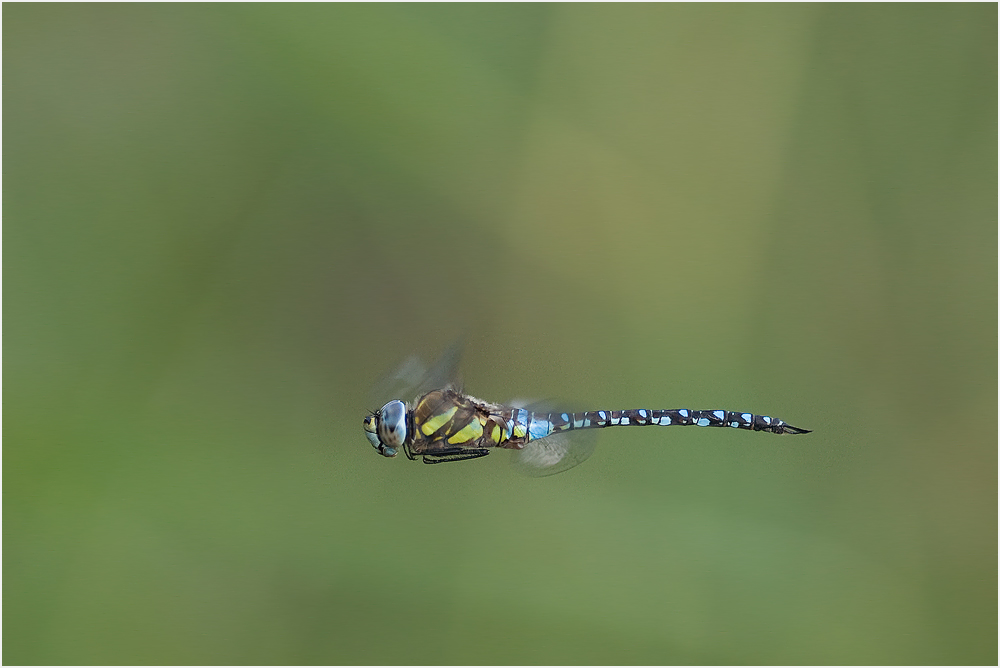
(224, 222)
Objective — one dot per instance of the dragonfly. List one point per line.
(443, 424)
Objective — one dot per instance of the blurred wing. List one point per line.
(444, 372)
(556, 453)
(413, 378)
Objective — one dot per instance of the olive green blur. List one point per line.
(224, 223)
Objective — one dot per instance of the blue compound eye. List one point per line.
(391, 429)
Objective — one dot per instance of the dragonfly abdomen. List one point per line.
(540, 425)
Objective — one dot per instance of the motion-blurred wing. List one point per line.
(555, 453)
(412, 378)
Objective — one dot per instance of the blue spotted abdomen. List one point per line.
(540, 425)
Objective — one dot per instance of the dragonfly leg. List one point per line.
(408, 450)
(459, 456)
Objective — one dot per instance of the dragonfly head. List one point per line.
(386, 428)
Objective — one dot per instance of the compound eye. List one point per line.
(392, 424)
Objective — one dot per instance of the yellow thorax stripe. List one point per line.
(434, 423)
(469, 432)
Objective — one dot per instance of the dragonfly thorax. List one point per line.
(386, 429)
